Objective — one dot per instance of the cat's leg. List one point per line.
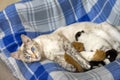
(70, 50)
(62, 62)
(79, 59)
(58, 57)
(73, 60)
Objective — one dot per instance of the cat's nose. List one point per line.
(34, 55)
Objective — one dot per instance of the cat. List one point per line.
(54, 46)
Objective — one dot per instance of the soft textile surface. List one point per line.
(37, 17)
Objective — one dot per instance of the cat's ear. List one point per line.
(16, 55)
(25, 39)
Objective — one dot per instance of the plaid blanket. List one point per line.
(38, 17)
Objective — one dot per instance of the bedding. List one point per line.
(38, 17)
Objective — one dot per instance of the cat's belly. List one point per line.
(53, 49)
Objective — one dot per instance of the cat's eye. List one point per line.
(32, 49)
(27, 57)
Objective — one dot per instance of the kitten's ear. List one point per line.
(16, 55)
(25, 39)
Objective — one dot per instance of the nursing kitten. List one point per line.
(54, 46)
(92, 43)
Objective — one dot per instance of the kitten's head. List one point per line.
(28, 52)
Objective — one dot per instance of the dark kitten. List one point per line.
(111, 56)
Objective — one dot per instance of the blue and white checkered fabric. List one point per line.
(37, 17)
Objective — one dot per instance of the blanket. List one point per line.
(38, 17)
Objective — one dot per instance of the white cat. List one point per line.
(53, 46)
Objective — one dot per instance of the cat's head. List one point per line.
(28, 51)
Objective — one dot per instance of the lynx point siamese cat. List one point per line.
(54, 46)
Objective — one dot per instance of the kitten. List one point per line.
(94, 41)
(53, 46)
(110, 57)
